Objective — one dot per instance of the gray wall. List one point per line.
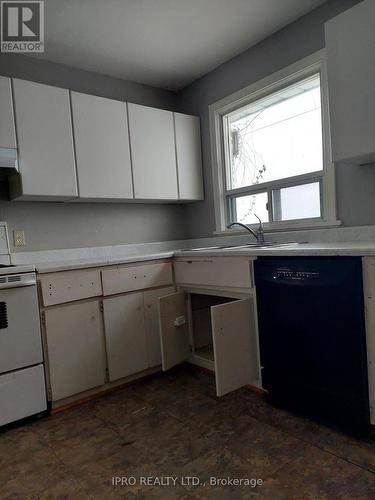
(73, 225)
(69, 225)
(355, 187)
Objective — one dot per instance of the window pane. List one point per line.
(296, 202)
(246, 206)
(278, 136)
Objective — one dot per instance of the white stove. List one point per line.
(22, 382)
(16, 269)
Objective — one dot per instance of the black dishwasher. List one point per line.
(312, 336)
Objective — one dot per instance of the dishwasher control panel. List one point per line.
(288, 275)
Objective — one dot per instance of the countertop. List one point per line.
(288, 249)
(292, 249)
(66, 265)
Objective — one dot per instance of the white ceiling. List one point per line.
(165, 43)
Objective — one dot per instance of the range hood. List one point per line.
(8, 159)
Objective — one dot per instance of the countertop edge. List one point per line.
(328, 250)
(70, 265)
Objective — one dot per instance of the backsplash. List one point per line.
(362, 234)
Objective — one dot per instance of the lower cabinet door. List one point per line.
(235, 345)
(125, 335)
(75, 347)
(151, 303)
(174, 329)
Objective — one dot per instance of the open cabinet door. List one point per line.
(174, 330)
(233, 332)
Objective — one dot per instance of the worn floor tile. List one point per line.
(263, 447)
(96, 445)
(30, 474)
(99, 479)
(318, 474)
(17, 442)
(172, 424)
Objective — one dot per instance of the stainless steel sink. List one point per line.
(259, 245)
(235, 247)
(199, 249)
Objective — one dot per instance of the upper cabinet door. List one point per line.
(102, 147)
(7, 132)
(153, 153)
(235, 345)
(350, 47)
(45, 141)
(189, 157)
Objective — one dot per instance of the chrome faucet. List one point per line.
(258, 235)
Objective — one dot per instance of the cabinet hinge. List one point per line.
(43, 318)
(107, 375)
(101, 308)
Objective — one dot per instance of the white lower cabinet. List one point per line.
(151, 304)
(125, 335)
(132, 334)
(74, 340)
(223, 272)
(95, 343)
(211, 329)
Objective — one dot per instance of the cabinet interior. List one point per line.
(202, 323)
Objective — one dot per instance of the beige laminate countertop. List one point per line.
(292, 249)
(67, 265)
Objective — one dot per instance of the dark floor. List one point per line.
(173, 425)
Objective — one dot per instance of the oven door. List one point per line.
(20, 337)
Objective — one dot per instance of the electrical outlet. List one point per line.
(19, 238)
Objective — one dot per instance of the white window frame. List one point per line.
(313, 64)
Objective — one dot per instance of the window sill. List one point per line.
(284, 227)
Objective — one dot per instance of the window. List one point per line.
(272, 148)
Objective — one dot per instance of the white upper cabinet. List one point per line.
(7, 132)
(153, 153)
(44, 132)
(102, 147)
(74, 146)
(189, 157)
(350, 46)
